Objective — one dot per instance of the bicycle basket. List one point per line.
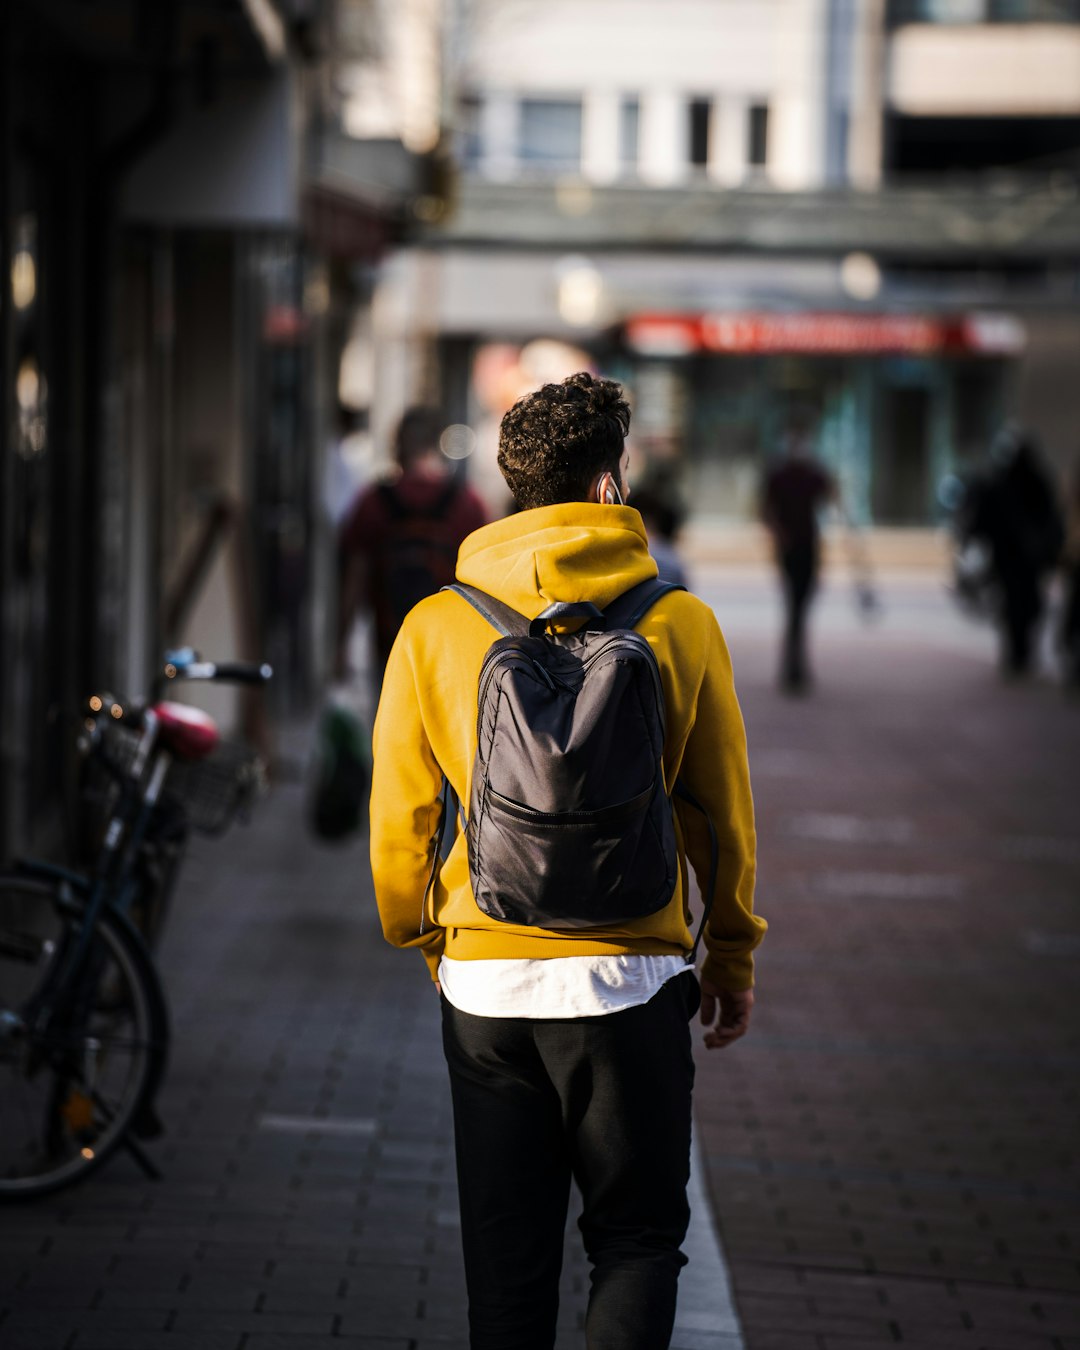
(211, 792)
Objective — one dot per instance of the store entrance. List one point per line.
(900, 489)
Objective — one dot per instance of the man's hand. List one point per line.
(734, 1013)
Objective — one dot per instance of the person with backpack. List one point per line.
(399, 543)
(558, 736)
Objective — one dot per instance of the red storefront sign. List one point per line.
(826, 334)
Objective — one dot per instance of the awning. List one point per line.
(826, 334)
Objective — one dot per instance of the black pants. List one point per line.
(607, 1101)
(798, 568)
(1070, 624)
(1021, 610)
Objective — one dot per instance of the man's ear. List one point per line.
(607, 491)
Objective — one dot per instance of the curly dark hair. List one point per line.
(556, 440)
(417, 433)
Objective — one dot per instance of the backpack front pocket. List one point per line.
(572, 869)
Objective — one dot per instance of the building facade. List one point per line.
(838, 212)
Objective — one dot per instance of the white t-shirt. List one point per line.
(557, 986)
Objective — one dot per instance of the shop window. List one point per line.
(946, 145)
(549, 133)
(982, 11)
(901, 490)
(757, 149)
(471, 141)
(629, 132)
(700, 112)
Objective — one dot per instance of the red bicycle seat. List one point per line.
(188, 733)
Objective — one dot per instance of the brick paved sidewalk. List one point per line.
(308, 1198)
(893, 1151)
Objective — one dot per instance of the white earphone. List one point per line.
(612, 495)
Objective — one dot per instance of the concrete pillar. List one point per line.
(865, 127)
(600, 136)
(663, 151)
(728, 140)
(797, 113)
(498, 134)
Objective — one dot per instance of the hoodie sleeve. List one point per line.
(405, 807)
(715, 769)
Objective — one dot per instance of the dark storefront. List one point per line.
(48, 478)
(152, 399)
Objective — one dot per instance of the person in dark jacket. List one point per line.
(657, 502)
(794, 492)
(1014, 511)
(399, 542)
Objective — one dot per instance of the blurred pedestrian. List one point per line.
(347, 468)
(794, 492)
(567, 1043)
(1013, 509)
(662, 512)
(1070, 617)
(400, 541)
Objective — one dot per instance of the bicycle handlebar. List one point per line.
(235, 672)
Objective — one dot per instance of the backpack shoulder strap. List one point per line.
(392, 503)
(506, 621)
(630, 608)
(626, 611)
(440, 507)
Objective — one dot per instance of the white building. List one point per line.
(754, 209)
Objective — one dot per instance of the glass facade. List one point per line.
(549, 133)
(629, 133)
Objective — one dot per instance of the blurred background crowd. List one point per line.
(239, 239)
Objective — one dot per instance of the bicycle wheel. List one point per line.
(76, 1064)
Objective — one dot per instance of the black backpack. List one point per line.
(570, 826)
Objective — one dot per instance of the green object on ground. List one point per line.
(342, 773)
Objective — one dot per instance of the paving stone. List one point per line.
(193, 1322)
(785, 1340)
(271, 1342)
(703, 1340)
(14, 1339)
(135, 1340)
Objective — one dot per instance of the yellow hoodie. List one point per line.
(426, 727)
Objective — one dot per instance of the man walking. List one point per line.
(399, 541)
(794, 492)
(568, 1044)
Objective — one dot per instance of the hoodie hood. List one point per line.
(571, 552)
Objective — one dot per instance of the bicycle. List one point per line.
(84, 1024)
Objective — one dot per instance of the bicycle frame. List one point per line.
(112, 883)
